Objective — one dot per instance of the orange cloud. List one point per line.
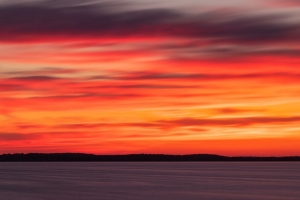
(147, 81)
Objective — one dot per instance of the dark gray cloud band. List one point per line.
(50, 19)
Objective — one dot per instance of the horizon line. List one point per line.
(149, 154)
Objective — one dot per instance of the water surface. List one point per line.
(150, 180)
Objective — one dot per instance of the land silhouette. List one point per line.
(81, 157)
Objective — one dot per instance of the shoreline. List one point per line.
(81, 157)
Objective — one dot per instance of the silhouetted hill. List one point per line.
(80, 157)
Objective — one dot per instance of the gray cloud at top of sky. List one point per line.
(45, 20)
(145, 3)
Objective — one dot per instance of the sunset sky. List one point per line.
(150, 76)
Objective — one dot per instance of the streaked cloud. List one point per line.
(50, 21)
(157, 76)
(232, 121)
(17, 136)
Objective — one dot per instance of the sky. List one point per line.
(172, 77)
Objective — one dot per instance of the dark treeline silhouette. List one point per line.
(80, 157)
